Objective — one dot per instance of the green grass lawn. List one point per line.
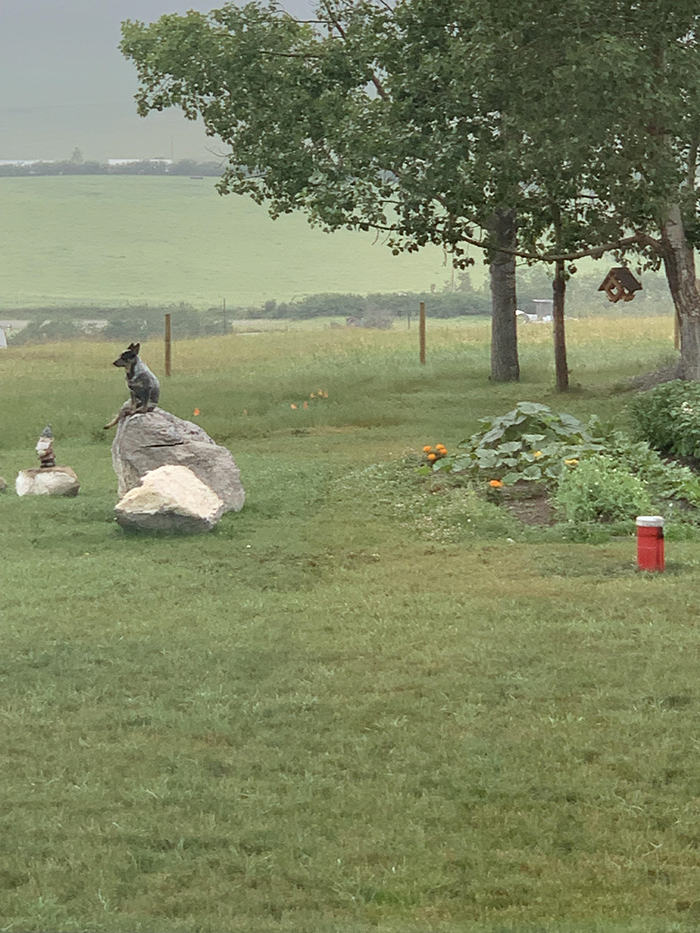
(95, 240)
(356, 705)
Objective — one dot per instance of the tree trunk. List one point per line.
(558, 294)
(679, 263)
(504, 334)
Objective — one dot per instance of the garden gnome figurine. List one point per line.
(44, 448)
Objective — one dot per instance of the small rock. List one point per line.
(172, 499)
(47, 481)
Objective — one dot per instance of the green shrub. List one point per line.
(668, 417)
(666, 480)
(601, 490)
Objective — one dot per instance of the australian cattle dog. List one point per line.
(143, 385)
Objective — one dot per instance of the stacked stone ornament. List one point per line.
(48, 479)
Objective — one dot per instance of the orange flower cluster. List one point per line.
(314, 396)
(435, 453)
(495, 483)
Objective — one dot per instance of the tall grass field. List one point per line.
(101, 240)
(356, 705)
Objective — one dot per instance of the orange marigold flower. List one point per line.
(496, 483)
(196, 411)
(426, 450)
(432, 456)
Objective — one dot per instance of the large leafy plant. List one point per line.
(666, 480)
(530, 443)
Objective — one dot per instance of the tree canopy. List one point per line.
(424, 118)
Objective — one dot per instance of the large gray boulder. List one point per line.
(170, 499)
(144, 442)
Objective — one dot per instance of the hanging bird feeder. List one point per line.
(620, 284)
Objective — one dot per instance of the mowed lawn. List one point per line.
(356, 705)
(106, 240)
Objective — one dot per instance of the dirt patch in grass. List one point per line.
(535, 511)
(528, 502)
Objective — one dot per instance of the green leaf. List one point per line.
(458, 464)
(511, 478)
(533, 408)
(495, 434)
(488, 458)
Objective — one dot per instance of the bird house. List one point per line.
(620, 284)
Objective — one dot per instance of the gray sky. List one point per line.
(64, 83)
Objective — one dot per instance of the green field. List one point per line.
(104, 240)
(356, 705)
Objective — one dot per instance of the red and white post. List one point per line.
(650, 543)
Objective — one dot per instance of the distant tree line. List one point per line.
(129, 323)
(143, 321)
(139, 322)
(441, 304)
(145, 167)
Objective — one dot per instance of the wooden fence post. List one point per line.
(421, 332)
(168, 356)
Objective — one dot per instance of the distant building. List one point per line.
(543, 308)
(136, 161)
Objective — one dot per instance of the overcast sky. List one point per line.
(64, 84)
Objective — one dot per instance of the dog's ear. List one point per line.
(135, 347)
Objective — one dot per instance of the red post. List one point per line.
(650, 543)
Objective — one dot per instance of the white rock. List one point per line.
(47, 481)
(171, 498)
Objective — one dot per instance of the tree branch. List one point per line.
(341, 31)
(596, 252)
